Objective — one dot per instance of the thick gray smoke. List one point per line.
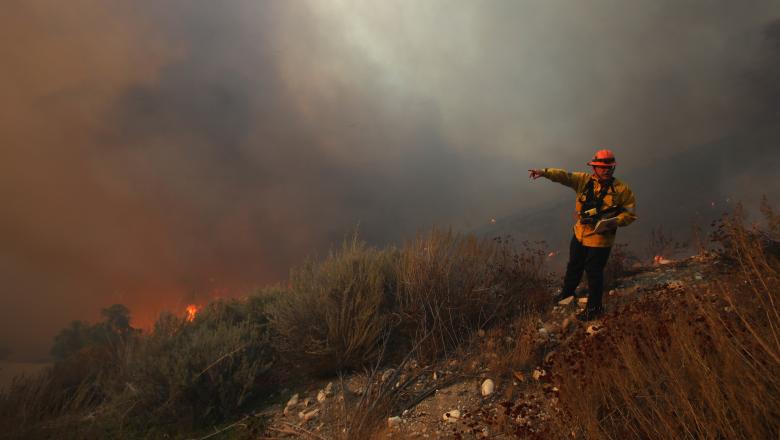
(156, 151)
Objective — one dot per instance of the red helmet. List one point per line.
(603, 158)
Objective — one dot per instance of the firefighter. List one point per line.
(599, 197)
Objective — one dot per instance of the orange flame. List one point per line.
(660, 259)
(192, 310)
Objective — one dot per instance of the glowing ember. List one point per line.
(192, 310)
(659, 259)
(551, 254)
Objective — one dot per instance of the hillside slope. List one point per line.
(551, 376)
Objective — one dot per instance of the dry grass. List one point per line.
(685, 364)
(443, 285)
(334, 312)
(452, 285)
(386, 393)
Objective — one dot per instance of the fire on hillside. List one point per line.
(192, 311)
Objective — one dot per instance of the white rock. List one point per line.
(488, 386)
(451, 416)
(393, 422)
(566, 301)
(386, 375)
(538, 372)
(310, 415)
(593, 329)
(321, 396)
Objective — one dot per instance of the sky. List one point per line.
(156, 153)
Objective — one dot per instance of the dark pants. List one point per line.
(592, 261)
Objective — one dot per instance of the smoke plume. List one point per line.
(156, 152)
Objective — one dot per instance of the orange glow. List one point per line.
(659, 259)
(192, 310)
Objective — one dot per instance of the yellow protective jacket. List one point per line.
(619, 195)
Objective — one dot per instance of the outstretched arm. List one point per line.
(572, 180)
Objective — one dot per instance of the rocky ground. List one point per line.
(501, 387)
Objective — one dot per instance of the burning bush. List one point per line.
(204, 370)
(182, 376)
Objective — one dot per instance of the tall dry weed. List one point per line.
(683, 363)
(450, 285)
(333, 313)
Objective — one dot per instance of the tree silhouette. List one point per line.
(117, 318)
(109, 336)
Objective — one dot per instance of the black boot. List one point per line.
(590, 314)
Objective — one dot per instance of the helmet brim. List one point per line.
(602, 164)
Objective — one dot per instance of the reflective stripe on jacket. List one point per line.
(620, 195)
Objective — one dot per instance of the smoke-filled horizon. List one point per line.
(156, 152)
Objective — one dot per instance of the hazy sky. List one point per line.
(157, 150)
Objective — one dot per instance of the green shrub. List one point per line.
(87, 373)
(334, 312)
(204, 371)
(181, 377)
